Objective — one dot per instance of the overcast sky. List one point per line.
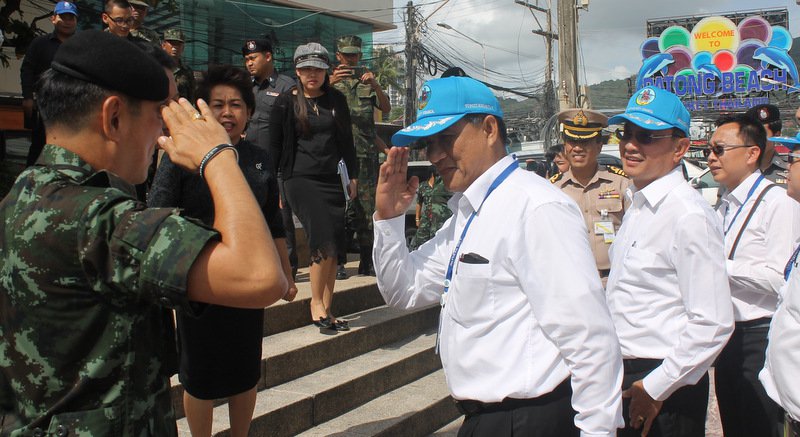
(610, 33)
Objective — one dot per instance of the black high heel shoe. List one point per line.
(323, 323)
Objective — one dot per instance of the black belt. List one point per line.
(636, 365)
(757, 323)
(469, 407)
(793, 425)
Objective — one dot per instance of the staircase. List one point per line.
(381, 378)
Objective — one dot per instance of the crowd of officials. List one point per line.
(592, 303)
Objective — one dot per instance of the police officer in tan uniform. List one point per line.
(599, 191)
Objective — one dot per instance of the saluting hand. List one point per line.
(192, 133)
(394, 193)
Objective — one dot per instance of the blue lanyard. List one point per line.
(499, 180)
(788, 269)
(749, 194)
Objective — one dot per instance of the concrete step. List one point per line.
(355, 294)
(449, 430)
(416, 409)
(297, 405)
(290, 355)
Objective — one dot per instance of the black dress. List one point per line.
(309, 166)
(220, 351)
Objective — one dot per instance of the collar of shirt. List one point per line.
(570, 179)
(476, 192)
(268, 81)
(736, 197)
(657, 190)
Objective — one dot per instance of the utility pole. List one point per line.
(567, 54)
(411, 68)
(548, 106)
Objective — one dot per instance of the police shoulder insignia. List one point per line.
(616, 170)
(556, 177)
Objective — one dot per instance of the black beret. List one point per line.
(112, 62)
(256, 46)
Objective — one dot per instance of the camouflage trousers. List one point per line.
(358, 217)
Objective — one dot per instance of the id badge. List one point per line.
(603, 227)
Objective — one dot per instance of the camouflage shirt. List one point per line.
(88, 277)
(433, 212)
(362, 101)
(148, 35)
(184, 79)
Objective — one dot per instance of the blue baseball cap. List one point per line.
(790, 142)
(442, 102)
(654, 108)
(66, 8)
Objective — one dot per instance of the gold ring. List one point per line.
(198, 116)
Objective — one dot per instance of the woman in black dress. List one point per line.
(310, 132)
(220, 351)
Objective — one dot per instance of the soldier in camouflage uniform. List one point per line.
(184, 76)
(363, 95)
(138, 30)
(432, 209)
(89, 276)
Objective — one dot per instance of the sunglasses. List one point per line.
(720, 150)
(642, 137)
(792, 157)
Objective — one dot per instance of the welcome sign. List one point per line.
(717, 57)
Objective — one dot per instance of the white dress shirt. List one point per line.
(780, 373)
(668, 292)
(534, 314)
(756, 271)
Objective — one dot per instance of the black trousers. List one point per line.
(682, 415)
(550, 415)
(792, 427)
(744, 406)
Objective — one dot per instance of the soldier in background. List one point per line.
(432, 209)
(772, 166)
(598, 191)
(139, 13)
(184, 76)
(37, 60)
(364, 94)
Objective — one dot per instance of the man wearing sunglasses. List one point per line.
(779, 375)
(668, 292)
(772, 166)
(599, 192)
(761, 227)
(525, 338)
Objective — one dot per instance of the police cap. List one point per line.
(765, 113)
(256, 45)
(111, 62)
(582, 124)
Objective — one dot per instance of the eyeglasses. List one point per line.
(123, 21)
(720, 150)
(792, 157)
(642, 137)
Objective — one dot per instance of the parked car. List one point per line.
(707, 186)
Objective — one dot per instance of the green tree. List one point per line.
(390, 73)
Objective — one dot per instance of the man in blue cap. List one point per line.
(668, 291)
(779, 375)
(525, 338)
(37, 60)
